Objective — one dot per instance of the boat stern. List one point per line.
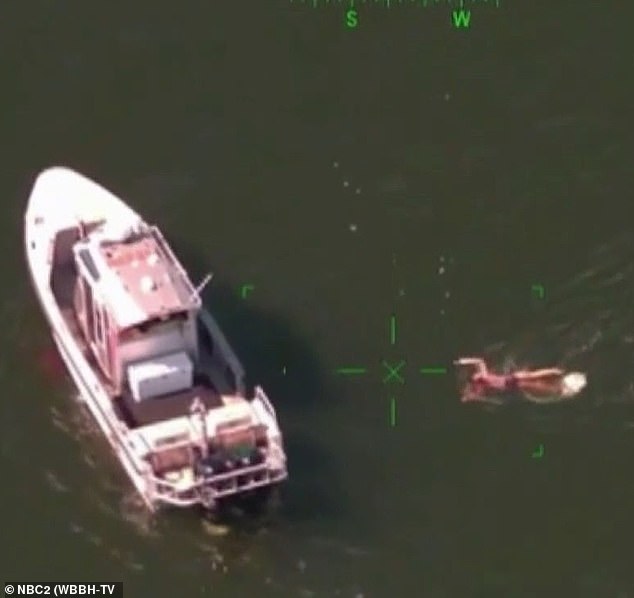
(213, 454)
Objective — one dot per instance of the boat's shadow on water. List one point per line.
(286, 366)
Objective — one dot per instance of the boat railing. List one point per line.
(207, 496)
(261, 395)
(278, 451)
(217, 486)
(176, 487)
(278, 457)
(176, 265)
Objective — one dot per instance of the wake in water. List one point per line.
(586, 325)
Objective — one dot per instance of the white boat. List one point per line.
(149, 361)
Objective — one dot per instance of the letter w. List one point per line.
(461, 18)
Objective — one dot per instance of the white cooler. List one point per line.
(160, 376)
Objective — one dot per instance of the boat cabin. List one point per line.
(135, 306)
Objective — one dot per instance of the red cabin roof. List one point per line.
(139, 278)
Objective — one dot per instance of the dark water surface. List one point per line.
(402, 167)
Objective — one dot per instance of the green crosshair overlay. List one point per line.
(393, 372)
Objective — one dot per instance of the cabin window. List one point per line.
(99, 324)
(86, 258)
(79, 298)
(89, 305)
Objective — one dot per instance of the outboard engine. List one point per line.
(220, 462)
(213, 464)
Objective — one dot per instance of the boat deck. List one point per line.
(150, 411)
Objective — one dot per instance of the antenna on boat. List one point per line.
(202, 285)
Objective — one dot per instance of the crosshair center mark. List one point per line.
(393, 372)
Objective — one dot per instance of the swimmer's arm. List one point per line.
(478, 362)
(545, 373)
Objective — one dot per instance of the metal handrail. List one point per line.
(260, 394)
(216, 478)
(175, 263)
(196, 498)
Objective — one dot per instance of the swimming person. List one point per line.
(483, 383)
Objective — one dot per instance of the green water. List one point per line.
(402, 167)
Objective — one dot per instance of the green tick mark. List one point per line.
(245, 290)
(393, 372)
(350, 371)
(538, 290)
(539, 453)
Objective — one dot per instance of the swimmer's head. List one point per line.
(573, 384)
